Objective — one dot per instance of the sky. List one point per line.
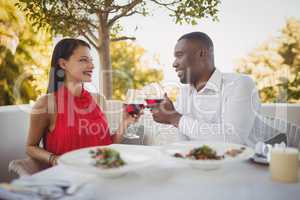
(243, 25)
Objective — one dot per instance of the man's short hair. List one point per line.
(200, 37)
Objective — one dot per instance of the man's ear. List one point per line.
(203, 52)
(62, 63)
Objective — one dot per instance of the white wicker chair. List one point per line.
(24, 167)
(267, 127)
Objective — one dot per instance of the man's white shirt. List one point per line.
(223, 110)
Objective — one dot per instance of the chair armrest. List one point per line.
(27, 166)
(282, 137)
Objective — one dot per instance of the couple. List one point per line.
(211, 105)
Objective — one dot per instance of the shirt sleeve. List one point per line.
(238, 111)
(178, 107)
(178, 102)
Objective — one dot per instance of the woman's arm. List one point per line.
(39, 123)
(117, 137)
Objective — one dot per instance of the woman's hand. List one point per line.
(53, 160)
(129, 119)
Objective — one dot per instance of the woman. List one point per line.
(68, 117)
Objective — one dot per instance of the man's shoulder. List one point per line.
(237, 78)
(240, 83)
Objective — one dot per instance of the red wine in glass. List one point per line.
(134, 109)
(153, 101)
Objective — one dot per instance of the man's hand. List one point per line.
(165, 112)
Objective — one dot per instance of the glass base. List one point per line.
(131, 136)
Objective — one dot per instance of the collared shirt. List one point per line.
(223, 110)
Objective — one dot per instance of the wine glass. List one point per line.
(154, 93)
(134, 105)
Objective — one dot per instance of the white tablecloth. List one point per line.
(166, 180)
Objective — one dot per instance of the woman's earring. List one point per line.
(60, 73)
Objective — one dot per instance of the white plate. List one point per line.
(134, 156)
(184, 148)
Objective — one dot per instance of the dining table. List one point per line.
(166, 179)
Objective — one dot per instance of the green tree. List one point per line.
(99, 21)
(275, 65)
(129, 71)
(24, 57)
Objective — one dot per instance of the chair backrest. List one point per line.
(267, 127)
(289, 112)
(293, 136)
(14, 122)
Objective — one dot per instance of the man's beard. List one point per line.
(187, 77)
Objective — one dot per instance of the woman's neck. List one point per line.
(75, 88)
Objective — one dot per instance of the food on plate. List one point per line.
(201, 153)
(107, 158)
(178, 155)
(235, 152)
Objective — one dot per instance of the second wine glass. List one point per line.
(134, 105)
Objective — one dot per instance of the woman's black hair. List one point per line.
(63, 49)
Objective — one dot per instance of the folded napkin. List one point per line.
(29, 187)
(264, 150)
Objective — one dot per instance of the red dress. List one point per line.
(79, 123)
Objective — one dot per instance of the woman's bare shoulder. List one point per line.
(43, 103)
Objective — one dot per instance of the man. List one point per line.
(211, 105)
